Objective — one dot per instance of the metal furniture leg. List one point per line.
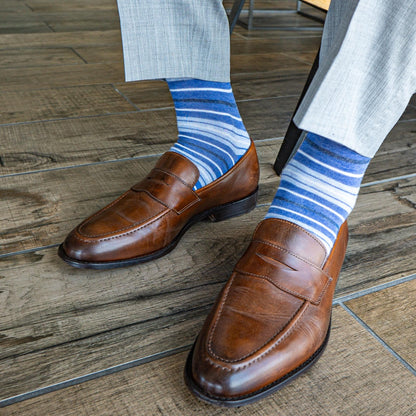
(293, 135)
(234, 15)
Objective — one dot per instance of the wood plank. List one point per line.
(155, 94)
(261, 80)
(13, 6)
(264, 20)
(47, 6)
(356, 375)
(307, 57)
(266, 4)
(101, 54)
(390, 313)
(53, 103)
(60, 322)
(23, 79)
(24, 57)
(15, 79)
(382, 243)
(77, 20)
(70, 39)
(9, 27)
(260, 41)
(16, 187)
(38, 208)
(57, 144)
(39, 146)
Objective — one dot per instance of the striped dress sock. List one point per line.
(319, 187)
(211, 132)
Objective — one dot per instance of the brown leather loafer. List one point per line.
(148, 220)
(272, 319)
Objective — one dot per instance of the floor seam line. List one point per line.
(127, 159)
(103, 162)
(125, 97)
(29, 250)
(92, 376)
(379, 339)
(374, 289)
(381, 181)
(54, 120)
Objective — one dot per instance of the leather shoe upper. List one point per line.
(272, 315)
(153, 212)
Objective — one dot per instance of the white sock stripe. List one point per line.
(305, 216)
(236, 149)
(205, 171)
(212, 125)
(237, 142)
(226, 91)
(211, 132)
(209, 112)
(203, 156)
(334, 169)
(313, 201)
(210, 144)
(336, 198)
(327, 242)
(352, 190)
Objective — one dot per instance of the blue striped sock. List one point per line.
(211, 132)
(319, 187)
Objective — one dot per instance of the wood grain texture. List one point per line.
(266, 4)
(58, 322)
(69, 39)
(390, 313)
(67, 75)
(287, 78)
(307, 57)
(101, 54)
(355, 375)
(78, 20)
(7, 27)
(39, 209)
(53, 103)
(23, 79)
(24, 57)
(63, 143)
(281, 21)
(61, 322)
(47, 6)
(13, 6)
(382, 243)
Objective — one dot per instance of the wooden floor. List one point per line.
(73, 136)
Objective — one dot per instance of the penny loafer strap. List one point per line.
(168, 189)
(285, 270)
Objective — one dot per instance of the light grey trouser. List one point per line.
(366, 76)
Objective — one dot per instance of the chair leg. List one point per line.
(235, 13)
(293, 134)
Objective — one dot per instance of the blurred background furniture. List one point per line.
(238, 5)
(293, 136)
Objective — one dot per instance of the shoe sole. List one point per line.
(216, 214)
(257, 395)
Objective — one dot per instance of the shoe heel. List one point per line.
(233, 209)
